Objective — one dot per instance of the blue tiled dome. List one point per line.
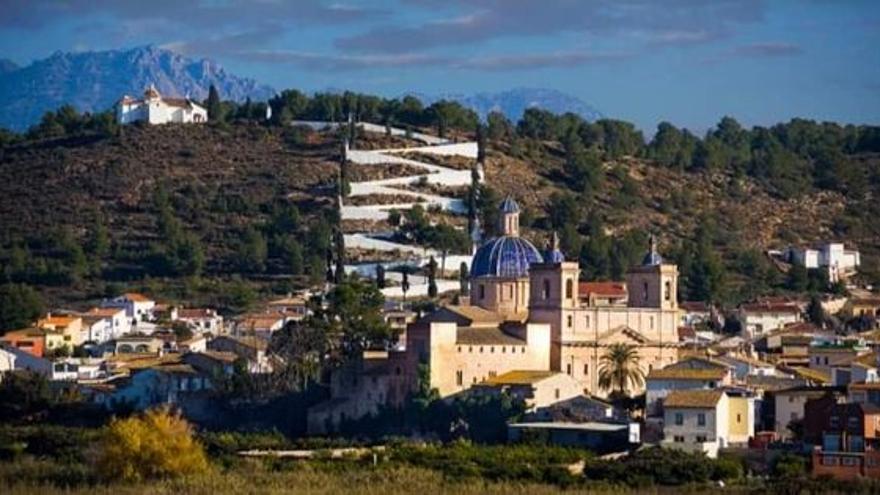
(505, 256)
(509, 205)
(652, 258)
(553, 256)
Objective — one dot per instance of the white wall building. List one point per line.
(156, 109)
(832, 256)
(137, 306)
(696, 421)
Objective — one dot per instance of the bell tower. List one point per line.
(553, 297)
(654, 283)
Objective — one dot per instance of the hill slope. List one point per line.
(227, 184)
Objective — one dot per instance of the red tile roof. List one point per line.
(612, 289)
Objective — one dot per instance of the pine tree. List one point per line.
(432, 278)
(464, 279)
(215, 107)
(380, 275)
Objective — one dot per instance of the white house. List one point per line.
(7, 362)
(696, 421)
(119, 323)
(762, 317)
(157, 109)
(137, 307)
(832, 256)
(200, 319)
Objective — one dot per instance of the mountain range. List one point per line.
(512, 103)
(94, 81)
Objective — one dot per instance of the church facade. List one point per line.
(547, 289)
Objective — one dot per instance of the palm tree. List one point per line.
(619, 369)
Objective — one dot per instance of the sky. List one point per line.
(688, 62)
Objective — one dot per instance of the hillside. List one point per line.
(257, 202)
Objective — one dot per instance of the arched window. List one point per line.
(569, 288)
(667, 293)
(546, 291)
(645, 291)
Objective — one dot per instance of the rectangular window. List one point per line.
(568, 369)
(586, 369)
(482, 291)
(678, 439)
(850, 461)
(570, 321)
(679, 419)
(701, 439)
(459, 378)
(701, 419)
(556, 393)
(739, 418)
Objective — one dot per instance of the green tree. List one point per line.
(797, 278)
(20, 306)
(619, 369)
(432, 278)
(24, 395)
(252, 251)
(464, 279)
(380, 275)
(213, 105)
(816, 312)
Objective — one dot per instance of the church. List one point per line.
(527, 311)
(157, 109)
(511, 278)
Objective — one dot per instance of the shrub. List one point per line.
(155, 444)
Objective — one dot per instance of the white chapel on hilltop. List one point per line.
(157, 109)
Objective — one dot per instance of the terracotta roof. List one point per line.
(686, 333)
(134, 296)
(485, 336)
(106, 312)
(196, 313)
(698, 399)
(519, 377)
(612, 289)
(694, 306)
(688, 374)
(61, 321)
(261, 321)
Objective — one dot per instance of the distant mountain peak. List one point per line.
(513, 102)
(93, 81)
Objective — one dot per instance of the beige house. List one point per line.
(536, 388)
(70, 328)
(696, 421)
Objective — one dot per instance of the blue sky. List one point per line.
(685, 61)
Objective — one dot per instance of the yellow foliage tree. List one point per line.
(155, 444)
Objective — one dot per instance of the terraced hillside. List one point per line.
(260, 204)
